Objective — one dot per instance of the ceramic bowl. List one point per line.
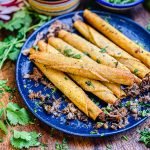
(118, 7)
(54, 8)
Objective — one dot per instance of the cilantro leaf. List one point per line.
(69, 53)
(23, 139)
(103, 50)
(17, 115)
(23, 135)
(20, 19)
(22, 23)
(3, 127)
(145, 137)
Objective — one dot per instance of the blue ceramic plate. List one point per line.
(24, 65)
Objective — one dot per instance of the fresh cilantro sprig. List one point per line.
(13, 114)
(17, 115)
(22, 23)
(145, 137)
(23, 139)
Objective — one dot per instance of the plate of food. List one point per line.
(87, 73)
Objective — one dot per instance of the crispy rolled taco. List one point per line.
(102, 42)
(117, 37)
(66, 64)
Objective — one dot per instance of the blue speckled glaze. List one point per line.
(119, 6)
(24, 65)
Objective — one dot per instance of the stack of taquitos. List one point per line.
(117, 37)
(102, 42)
(64, 47)
(74, 93)
(94, 53)
(89, 85)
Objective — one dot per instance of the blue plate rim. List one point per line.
(48, 123)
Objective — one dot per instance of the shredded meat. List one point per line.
(133, 90)
(47, 83)
(53, 107)
(36, 95)
(136, 89)
(145, 84)
(56, 27)
(36, 75)
(73, 112)
(145, 98)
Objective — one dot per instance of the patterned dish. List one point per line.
(54, 8)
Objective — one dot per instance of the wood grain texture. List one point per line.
(50, 136)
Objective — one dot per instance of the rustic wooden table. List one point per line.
(50, 136)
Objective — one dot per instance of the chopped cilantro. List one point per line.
(94, 132)
(124, 138)
(100, 123)
(105, 111)
(77, 56)
(144, 104)
(108, 108)
(145, 137)
(135, 71)
(120, 1)
(98, 61)
(66, 78)
(69, 53)
(144, 113)
(127, 104)
(89, 83)
(103, 50)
